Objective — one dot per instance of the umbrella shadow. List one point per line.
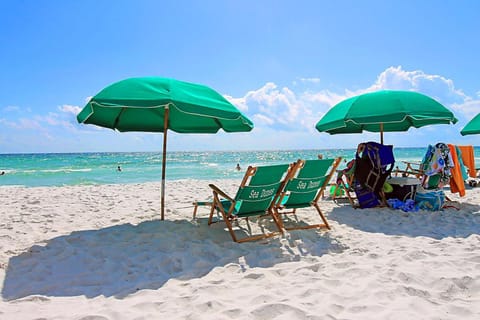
(123, 259)
(449, 222)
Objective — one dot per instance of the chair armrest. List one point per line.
(220, 192)
(413, 167)
(412, 162)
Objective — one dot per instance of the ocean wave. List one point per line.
(66, 170)
(101, 168)
(13, 185)
(209, 164)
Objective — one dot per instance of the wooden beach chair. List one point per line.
(303, 188)
(412, 168)
(207, 203)
(456, 162)
(435, 171)
(254, 198)
(344, 182)
(418, 169)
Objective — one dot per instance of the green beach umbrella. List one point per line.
(153, 104)
(472, 127)
(386, 110)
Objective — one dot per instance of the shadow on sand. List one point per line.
(120, 260)
(449, 222)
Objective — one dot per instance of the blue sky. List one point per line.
(283, 63)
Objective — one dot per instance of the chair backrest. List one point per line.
(258, 188)
(305, 183)
(380, 155)
(347, 173)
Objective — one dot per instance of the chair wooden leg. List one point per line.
(251, 237)
(230, 227)
(210, 217)
(347, 193)
(278, 220)
(257, 237)
(321, 215)
(312, 226)
(216, 204)
(197, 204)
(195, 207)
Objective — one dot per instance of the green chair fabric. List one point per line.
(258, 195)
(254, 197)
(304, 188)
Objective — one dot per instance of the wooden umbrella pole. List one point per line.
(164, 159)
(381, 132)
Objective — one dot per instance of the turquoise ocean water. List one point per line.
(58, 169)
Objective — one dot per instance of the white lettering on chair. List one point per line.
(264, 193)
(267, 193)
(301, 185)
(313, 184)
(306, 185)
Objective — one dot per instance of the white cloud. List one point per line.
(298, 110)
(28, 124)
(469, 108)
(285, 107)
(11, 109)
(323, 97)
(6, 123)
(237, 102)
(280, 105)
(56, 120)
(260, 119)
(70, 109)
(47, 126)
(284, 117)
(435, 86)
(312, 80)
(51, 119)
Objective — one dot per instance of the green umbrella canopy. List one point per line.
(386, 110)
(472, 127)
(138, 104)
(153, 104)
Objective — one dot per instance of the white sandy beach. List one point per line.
(101, 252)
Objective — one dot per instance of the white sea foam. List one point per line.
(67, 170)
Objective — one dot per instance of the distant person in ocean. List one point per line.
(119, 169)
(2, 173)
(238, 167)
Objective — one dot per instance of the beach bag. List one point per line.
(366, 197)
(431, 200)
(374, 163)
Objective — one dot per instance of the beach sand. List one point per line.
(101, 252)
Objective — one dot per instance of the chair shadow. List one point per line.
(448, 222)
(120, 260)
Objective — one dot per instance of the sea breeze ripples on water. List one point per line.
(57, 169)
